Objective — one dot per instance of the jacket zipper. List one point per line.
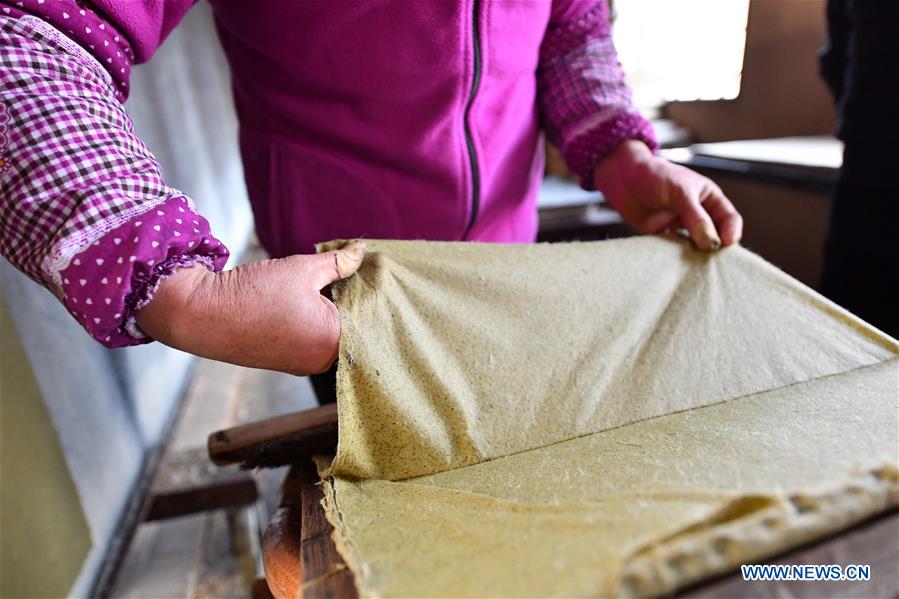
(469, 140)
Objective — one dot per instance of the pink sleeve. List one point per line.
(585, 103)
(84, 208)
(118, 33)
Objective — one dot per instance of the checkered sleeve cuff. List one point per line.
(584, 151)
(585, 103)
(84, 208)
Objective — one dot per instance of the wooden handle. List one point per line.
(311, 431)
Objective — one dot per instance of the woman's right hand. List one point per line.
(267, 314)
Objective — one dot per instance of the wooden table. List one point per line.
(809, 163)
(301, 560)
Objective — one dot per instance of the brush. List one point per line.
(276, 441)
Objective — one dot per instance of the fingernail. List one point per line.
(705, 236)
(349, 257)
(356, 248)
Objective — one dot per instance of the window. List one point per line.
(681, 49)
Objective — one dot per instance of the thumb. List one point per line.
(332, 266)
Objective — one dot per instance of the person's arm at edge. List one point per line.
(586, 109)
(88, 215)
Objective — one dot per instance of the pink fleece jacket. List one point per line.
(398, 119)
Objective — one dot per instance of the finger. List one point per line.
(658, 221)
(696, 220)
(726, 218)
(329, 267)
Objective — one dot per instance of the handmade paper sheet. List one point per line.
(606, 418)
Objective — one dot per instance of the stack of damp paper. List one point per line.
(613, 418)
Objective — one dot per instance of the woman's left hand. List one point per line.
(653, 195)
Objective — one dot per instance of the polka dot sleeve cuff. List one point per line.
(105, 285)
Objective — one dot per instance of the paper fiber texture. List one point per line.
(618, 417)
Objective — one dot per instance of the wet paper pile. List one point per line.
(612, 418)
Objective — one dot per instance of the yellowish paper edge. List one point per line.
(737, 536)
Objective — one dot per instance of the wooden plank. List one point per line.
(162, 559)
(138, 505)
(281, 553)
(297, 551)
(325, 575)
(281, 541)
(187, 483)
(279, 440)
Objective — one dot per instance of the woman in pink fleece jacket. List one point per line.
(386, 119)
